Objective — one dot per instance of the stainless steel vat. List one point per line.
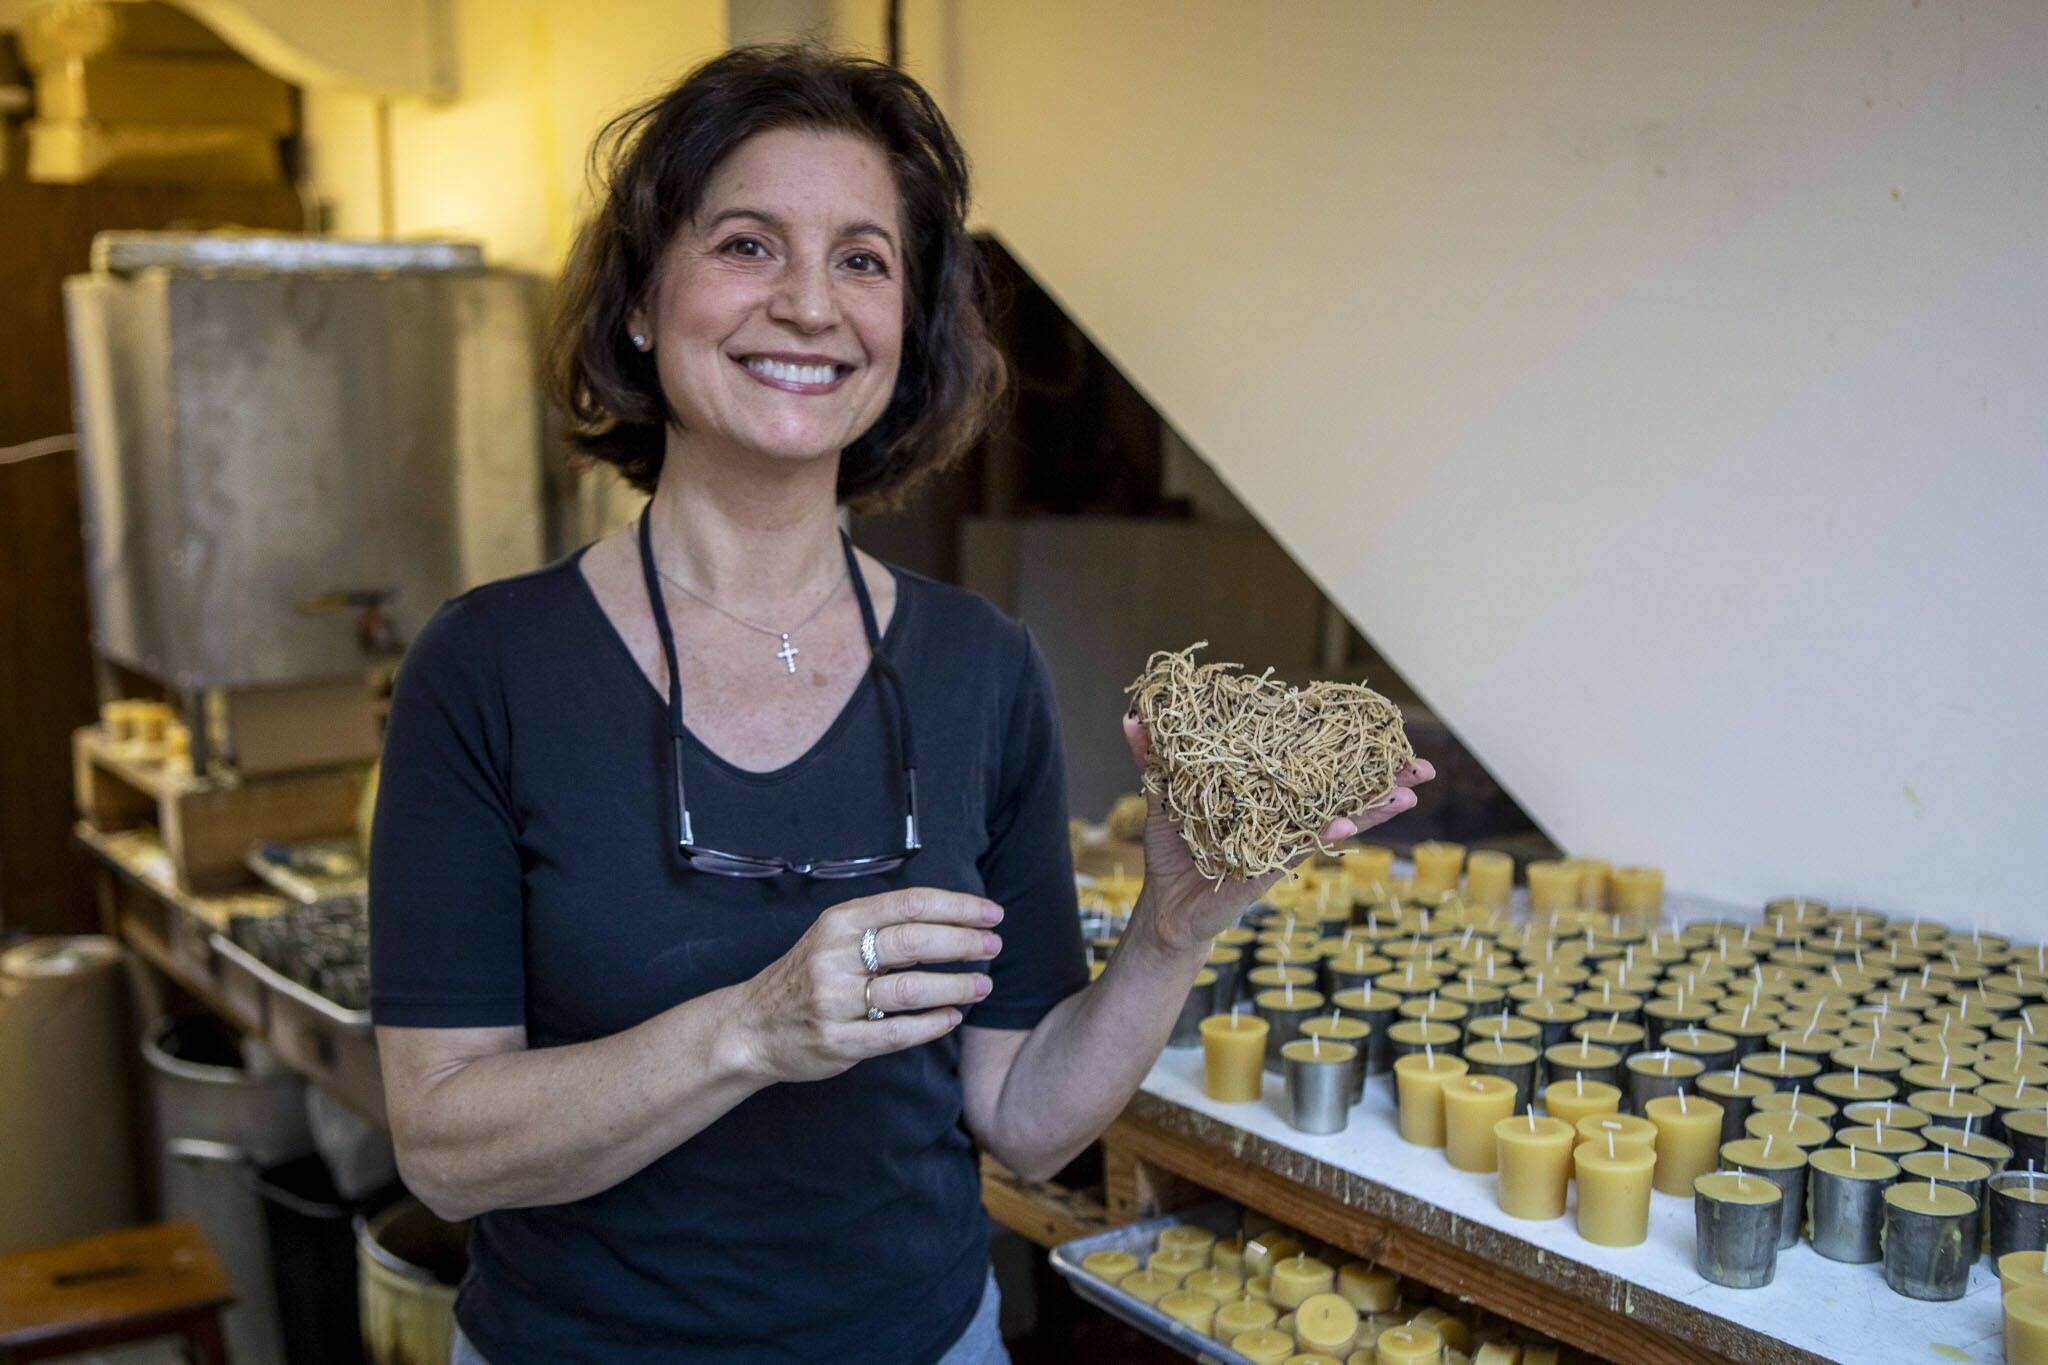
(294, 450)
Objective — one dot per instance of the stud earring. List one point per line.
(639, 342)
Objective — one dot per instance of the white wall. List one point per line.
(1663, 388)
(504, 161)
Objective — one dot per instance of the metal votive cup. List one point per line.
(1377, 1010)
(1200, 1004)
(1356, 1067)
(1516, 1063)
(2017, 1223)
(1792, 1213)
(1318, 1086)
(1925, 1253)
(1736, 1243)
(1640, 1086)
(1566, 1060)
(1284, 1012)
(1848, 1211)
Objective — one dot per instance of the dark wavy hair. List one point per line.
(655, 161)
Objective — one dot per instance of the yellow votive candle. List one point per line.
(2019, 1270)
(1112, 1266)
(1300, 1276)
(1627, 1130)
(1535, 1165)
(1596, 877)
(1410, 1346)
(1472, 1106)
(1267, 1250)
(1688, 1140)
(1233, 1057)
(1187, 1237)
(1553, 885)
(1197, 1311)
(1437, 866)
(1177, 1262)
(1892, 1142)
(1614, 1192)
(1147, 1286)
(1228, 1256)
(1369, 866)
(1368, 1288)
(1419, 1081)
(1738, 1188)
(1489, 878)
(1578, 1099)
(1639, 891)
(1245, 1314)
(2026, 1327)
(1263, 1346)
(1456, 1335)
(1325, 1322)
(1800, 1130)
(1219, 1285)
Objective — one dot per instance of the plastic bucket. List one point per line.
(408, 1263)
(217, 1119)
(202, 1086)
(312, 1262)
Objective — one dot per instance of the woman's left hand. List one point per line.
(1183, 909)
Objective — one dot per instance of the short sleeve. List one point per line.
(446, 918)
(1028, 867)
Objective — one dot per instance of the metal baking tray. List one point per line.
(356, 1021)
(1222, 1218)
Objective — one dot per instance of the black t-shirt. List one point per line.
(524, 871)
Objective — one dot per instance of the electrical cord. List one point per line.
(29, 450)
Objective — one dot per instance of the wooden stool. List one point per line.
(156, 1281)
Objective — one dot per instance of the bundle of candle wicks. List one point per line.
(1254, 769)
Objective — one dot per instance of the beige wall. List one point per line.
(503, 162)
(1659, 386)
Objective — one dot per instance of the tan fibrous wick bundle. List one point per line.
(1254, 769)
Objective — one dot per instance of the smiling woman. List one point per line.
(660, 161)
(776, 323)
(702, 1024)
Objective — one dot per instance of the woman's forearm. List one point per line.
(1078, 1068)
(550, 1125)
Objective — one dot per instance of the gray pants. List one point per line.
(980, 1344)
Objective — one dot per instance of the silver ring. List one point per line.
(870, 959)
(867, 993)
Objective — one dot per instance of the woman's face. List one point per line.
(777, 322)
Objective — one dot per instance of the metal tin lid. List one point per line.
(48, 957)
(125, 253)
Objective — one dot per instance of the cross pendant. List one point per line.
(788, 654)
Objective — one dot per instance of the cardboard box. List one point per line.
(67, 1113)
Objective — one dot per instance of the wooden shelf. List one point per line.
(208, 824)
(174, 930)
(1163, 1162)
(1047, 1214)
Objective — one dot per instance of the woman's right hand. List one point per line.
(805, 1014)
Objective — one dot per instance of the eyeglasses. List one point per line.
(723, 864)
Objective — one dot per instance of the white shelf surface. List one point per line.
(1839, 1312)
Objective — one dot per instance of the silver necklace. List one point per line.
(788, 652)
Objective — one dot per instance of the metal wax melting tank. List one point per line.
(295, 449)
